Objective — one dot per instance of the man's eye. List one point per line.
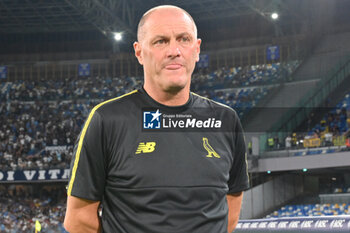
(162, 41)
(185, 39)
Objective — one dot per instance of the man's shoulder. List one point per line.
(117, 102)
(204, 102)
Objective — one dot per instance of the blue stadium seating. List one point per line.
(311, 210)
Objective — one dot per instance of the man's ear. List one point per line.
(137, 48)
(198, 45)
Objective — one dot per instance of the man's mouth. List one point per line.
(173, 66)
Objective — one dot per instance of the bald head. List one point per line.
(146, 16)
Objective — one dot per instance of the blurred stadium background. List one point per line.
(288, 77)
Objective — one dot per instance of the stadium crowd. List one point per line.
(37, 116)
(69, 89)
(254, 75)
(28, 131)
(104, 88)
(241, 99)
(20, 209)
(332, 130)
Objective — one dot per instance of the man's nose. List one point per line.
(173, 49)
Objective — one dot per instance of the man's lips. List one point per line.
(173, 66)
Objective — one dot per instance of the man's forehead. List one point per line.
(167, 19)
(168, 28)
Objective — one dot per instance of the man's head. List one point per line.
(168, 48)
(140, 31)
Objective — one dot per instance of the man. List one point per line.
(159, 159)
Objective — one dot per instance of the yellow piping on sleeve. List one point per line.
(81, 139)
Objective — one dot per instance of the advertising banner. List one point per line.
(300, 225)
(312, 142)
(3, 72)
(34, 175)
(272, 53)
(84, 69)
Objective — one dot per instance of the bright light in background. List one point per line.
(118, 36)
(305, 170)
(268, 172)
(274, 16)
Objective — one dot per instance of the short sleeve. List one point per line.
(239, 179)
(87, 174)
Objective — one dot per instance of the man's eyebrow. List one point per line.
(159, 37)
(167, 37)
(184, 34)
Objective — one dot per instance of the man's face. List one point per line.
(168, 50)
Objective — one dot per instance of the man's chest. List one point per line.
(170, 159)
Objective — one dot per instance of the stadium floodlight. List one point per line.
(274, 16)
(117, 36)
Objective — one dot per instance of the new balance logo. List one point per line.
(209, 149)
(147, 147)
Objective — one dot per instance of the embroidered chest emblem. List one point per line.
(209, 149)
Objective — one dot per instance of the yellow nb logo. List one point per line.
(211, 151)
(147, 147)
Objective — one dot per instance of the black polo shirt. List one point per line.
(157, 168)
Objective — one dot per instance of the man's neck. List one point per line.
(175, 98)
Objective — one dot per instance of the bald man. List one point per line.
(145, 161)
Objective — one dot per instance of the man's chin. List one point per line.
(174, 88)
(175, 82)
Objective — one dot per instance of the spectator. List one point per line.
(288, 142)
